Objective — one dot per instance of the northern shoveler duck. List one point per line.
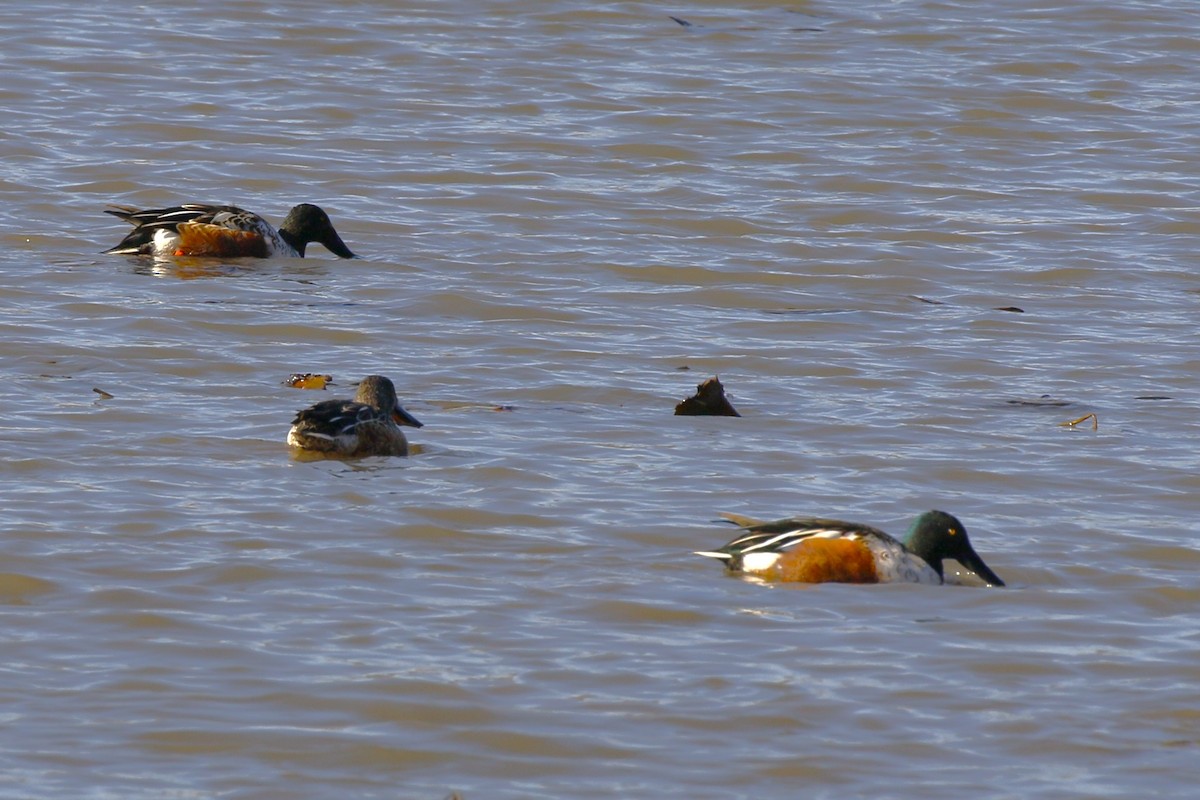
(196, 229)
(364, 426)
(813, 550)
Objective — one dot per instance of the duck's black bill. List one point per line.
(973, 562)
(335, 245)
(402, 417)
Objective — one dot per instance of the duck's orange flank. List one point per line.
(819, 560)
(202, 239)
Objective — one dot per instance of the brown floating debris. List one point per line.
(1045, 401)
(308, 380)
(1072, 423)
(684, 23)
(1013, 309)
(708, 401)
(103, 394)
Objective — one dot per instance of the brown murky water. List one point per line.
(571, 214)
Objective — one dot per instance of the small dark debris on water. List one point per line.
(1154, 397)
(708, 401)
(918, 298)
(684, 23)
(1045, 401)
(103, 394)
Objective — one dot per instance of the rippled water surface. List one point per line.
(912, 238)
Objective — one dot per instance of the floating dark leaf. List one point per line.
(708, 401)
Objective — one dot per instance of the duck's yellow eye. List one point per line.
(953, 531)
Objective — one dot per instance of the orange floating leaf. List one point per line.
(308, 380)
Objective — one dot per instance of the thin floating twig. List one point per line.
(103, 394)
(1072, 423)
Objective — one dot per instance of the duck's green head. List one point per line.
(936, 535)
